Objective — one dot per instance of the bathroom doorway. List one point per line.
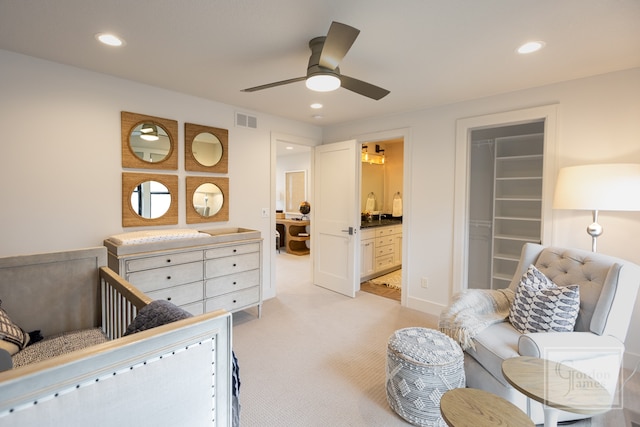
(381, 201)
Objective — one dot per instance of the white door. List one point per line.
(336, 217)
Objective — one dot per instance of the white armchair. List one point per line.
(608, 288)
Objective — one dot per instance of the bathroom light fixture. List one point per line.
(530, 47)
(149, 132)
(323, 82)
(109, 39)
(376, 158)
(603, 187)
(316, 105)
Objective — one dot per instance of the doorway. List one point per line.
(290, 156)
(466, 129)
(505, 200)
(381, 207)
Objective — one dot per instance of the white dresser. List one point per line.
(222, 270)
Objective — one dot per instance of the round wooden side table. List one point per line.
(470, 407)
(556, 386)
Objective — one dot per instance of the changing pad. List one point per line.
(146, 236)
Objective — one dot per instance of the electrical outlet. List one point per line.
(424, 282)
(265, 212)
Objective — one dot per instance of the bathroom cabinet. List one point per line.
(380, 250)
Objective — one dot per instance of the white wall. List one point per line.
(598, 121)
(60, 163)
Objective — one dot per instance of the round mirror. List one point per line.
(150, 199)
(207, 149)
(208, 199)
(150, 142)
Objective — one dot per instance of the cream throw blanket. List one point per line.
(473, 310)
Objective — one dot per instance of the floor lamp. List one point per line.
(603, 187)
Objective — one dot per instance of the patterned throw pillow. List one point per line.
(541, 306)
(12, 338)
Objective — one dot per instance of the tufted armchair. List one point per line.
(608, 288)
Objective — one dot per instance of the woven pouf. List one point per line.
(422, 364)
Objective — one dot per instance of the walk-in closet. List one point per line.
(505, 200)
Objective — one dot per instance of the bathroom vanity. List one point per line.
(380, 247)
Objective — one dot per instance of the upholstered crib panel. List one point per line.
(56, 282)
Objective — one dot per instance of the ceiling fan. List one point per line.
(323, 73)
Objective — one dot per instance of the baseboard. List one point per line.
(425, 306)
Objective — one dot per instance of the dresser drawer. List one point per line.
(194, 308)
(159, 261)
(384, 262)
(385, 240)
(235, 300)
(231, 282)
(231, 250)
(384, 250)
(231, 264)
(160, 278)
(179, 295)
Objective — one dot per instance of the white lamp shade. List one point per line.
(603, 187)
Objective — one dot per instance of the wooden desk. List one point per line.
(470, 407)
(556, 386)
(294, 243)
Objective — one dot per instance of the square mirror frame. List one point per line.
(130, 181)
(129, 121)
(192, 183)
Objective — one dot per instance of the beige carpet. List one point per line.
(317, 358)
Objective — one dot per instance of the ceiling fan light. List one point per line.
(323, 82)
(149, 132)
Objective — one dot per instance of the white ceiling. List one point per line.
(426, 52)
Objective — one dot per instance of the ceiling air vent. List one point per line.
(246, 121)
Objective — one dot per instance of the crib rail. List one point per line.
(120, 303)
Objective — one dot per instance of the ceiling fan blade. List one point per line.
(363, 88)
(336, 45)
(269, 85)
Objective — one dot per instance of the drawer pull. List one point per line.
(169, 260)
(234, 264)
(235, 250)
(168, 277)
(234, 301)
(168, 298)
(235, 283)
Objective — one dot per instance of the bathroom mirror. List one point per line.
(149, 199)
(205, 148)
(148, 142)
(207, 199)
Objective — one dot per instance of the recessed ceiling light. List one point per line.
(316, 116)
(288, 147)
(530, 47)
(316, 105)
(109, 39)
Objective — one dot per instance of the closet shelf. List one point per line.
(515, 218)
(523, 157)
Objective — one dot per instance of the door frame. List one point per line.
(405, 134)
(464, 127)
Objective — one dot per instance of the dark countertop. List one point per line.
(379, 223)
